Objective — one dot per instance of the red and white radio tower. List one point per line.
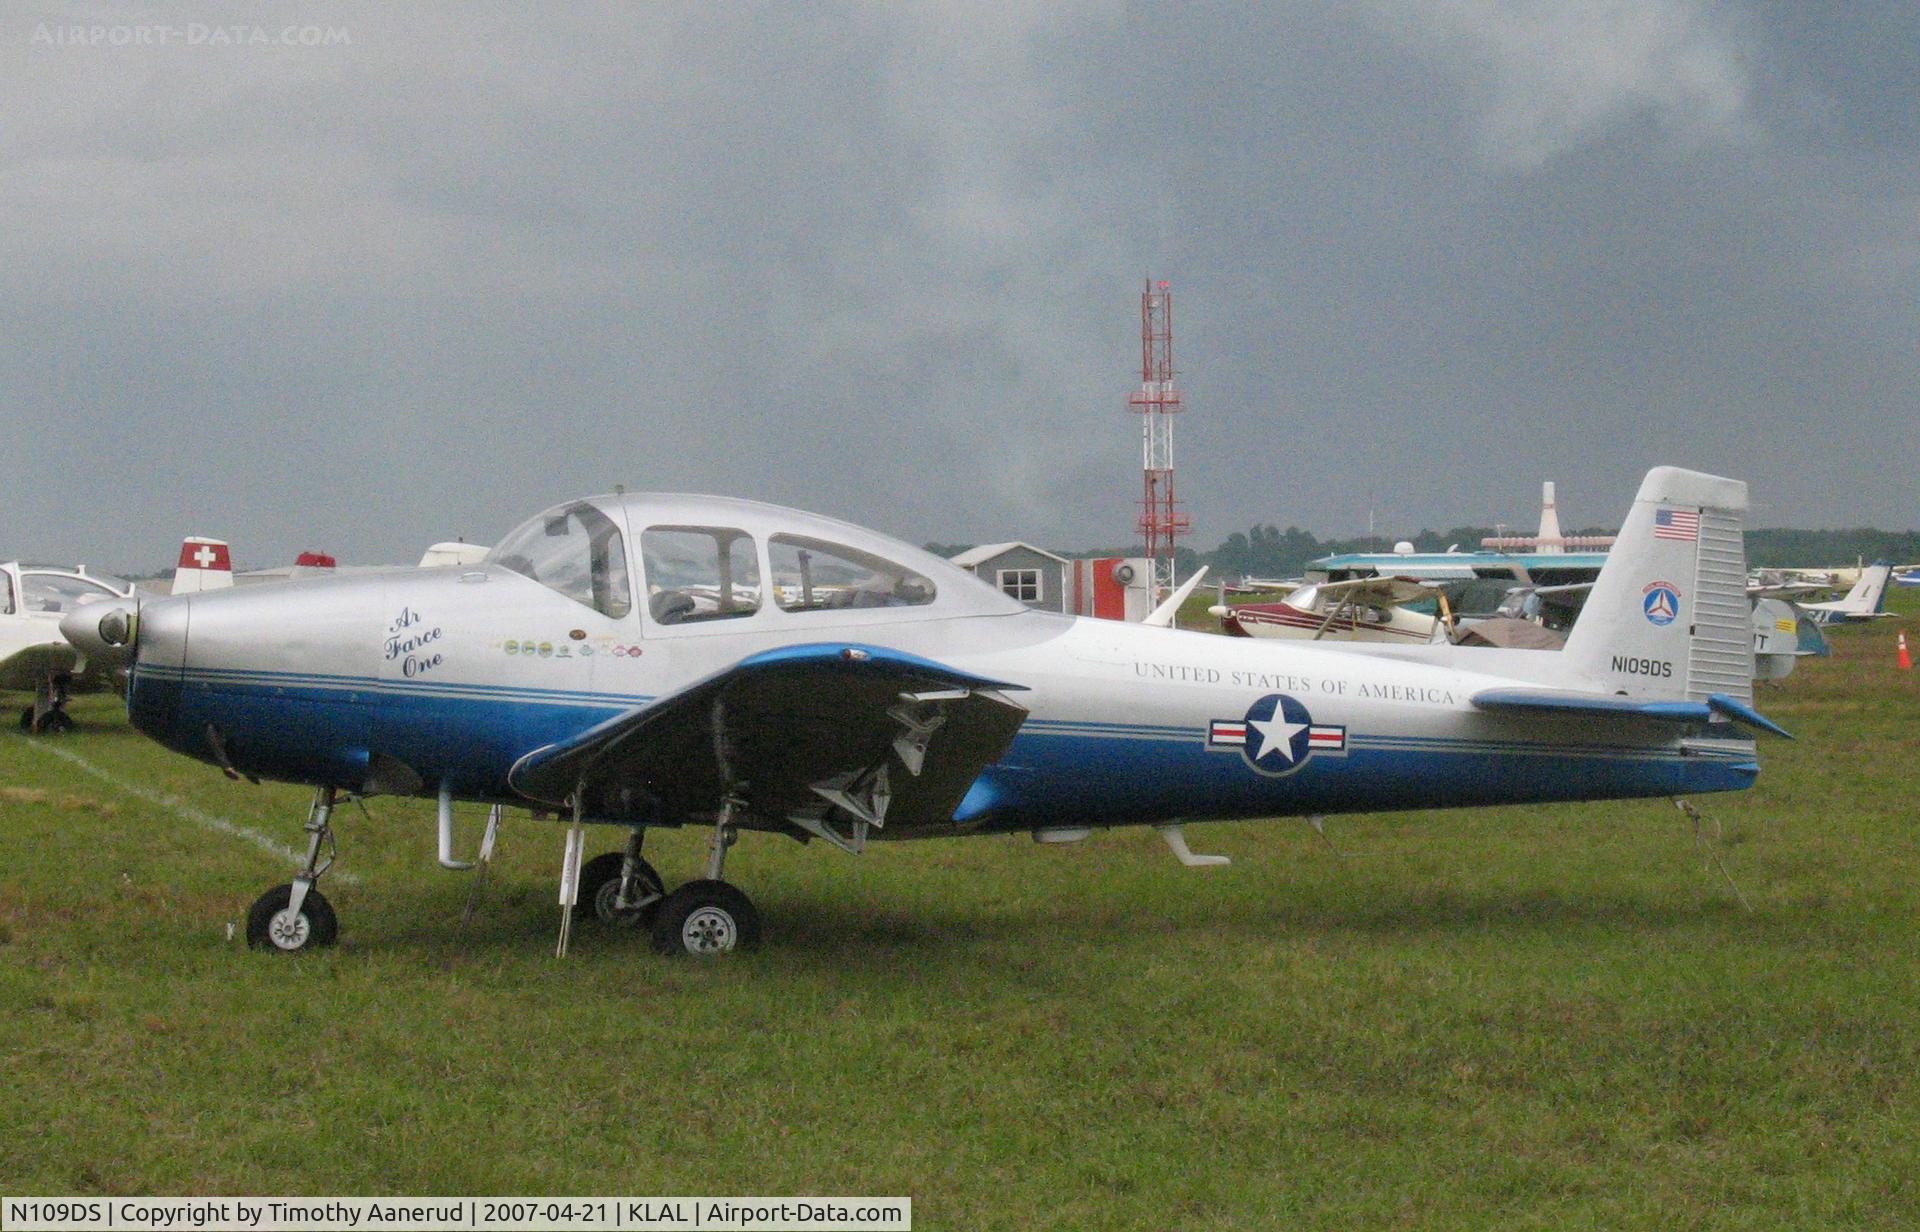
(1157, 402)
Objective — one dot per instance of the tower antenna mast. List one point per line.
(1157, 402)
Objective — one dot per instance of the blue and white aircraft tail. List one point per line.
(645, 661)
(1866, 601)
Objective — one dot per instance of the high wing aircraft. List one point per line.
(1370, 609)
(837, 685)
(34, 657)
(1866, 601)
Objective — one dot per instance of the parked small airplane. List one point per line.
(34, 657)
(1371, 609)
(831, 683)
(1866, 601)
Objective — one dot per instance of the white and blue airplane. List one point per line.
(646, 661)
(1867, 600)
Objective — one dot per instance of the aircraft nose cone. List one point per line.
(103, 632)
(160, 651)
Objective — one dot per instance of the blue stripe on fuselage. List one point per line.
(310, 728)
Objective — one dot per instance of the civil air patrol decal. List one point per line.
(1276, 736)
(1661, 602)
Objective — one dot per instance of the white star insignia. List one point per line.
(1276, 735)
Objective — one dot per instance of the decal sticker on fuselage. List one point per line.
(1661, 603)
(1276, 736)
(412, 642)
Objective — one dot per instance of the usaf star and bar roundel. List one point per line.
(1276, 735)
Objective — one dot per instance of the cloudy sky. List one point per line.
(884, 261)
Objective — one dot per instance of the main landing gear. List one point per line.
(297, 917)
(709, 916)
(704, 917)
(621, 889)
(48, 716)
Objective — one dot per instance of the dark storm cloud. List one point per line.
(883, 262)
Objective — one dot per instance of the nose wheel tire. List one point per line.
(600, 891)
(52, 723)
(270, 926)
(706, 918)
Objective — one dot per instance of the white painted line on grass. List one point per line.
(180, 808)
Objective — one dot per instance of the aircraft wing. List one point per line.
(1786, 590)
(1380, 591)
(810, 735)
(25, 666)
(1601, 705)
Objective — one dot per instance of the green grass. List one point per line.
(1516, 1018)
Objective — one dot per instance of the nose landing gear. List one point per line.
(296, 917)
(48, 716)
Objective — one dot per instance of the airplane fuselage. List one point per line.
(407, 681)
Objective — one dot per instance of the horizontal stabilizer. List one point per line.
(1560, 701)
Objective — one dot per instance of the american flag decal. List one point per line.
(1681, 524)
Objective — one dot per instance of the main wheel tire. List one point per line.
(26, 719)
(269, 927)
(706, 918)
(600, 887)
(55, 723)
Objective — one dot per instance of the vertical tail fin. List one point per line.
(1869, 594)
(1668, 616)
(204, 565)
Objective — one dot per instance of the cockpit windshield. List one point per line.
(577, 551)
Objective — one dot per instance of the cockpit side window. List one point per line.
(56, 592)
(577, 551)
(6, 595)
(699, 573)
(814, 575)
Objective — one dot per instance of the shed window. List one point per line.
(1022, 584)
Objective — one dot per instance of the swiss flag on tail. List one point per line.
(204, 565)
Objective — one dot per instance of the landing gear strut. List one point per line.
(296, 917)
(709, 916)
(48, 714)
(622, 889)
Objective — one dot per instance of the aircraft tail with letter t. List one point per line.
(204, 565)
(1669, 616)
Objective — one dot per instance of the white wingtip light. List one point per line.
(1162, 617)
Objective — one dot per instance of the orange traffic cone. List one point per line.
(1905, 660)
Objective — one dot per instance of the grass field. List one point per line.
(1528, 1017)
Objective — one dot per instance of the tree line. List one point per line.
(1265, 550)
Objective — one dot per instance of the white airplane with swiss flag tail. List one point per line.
(204, 565)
